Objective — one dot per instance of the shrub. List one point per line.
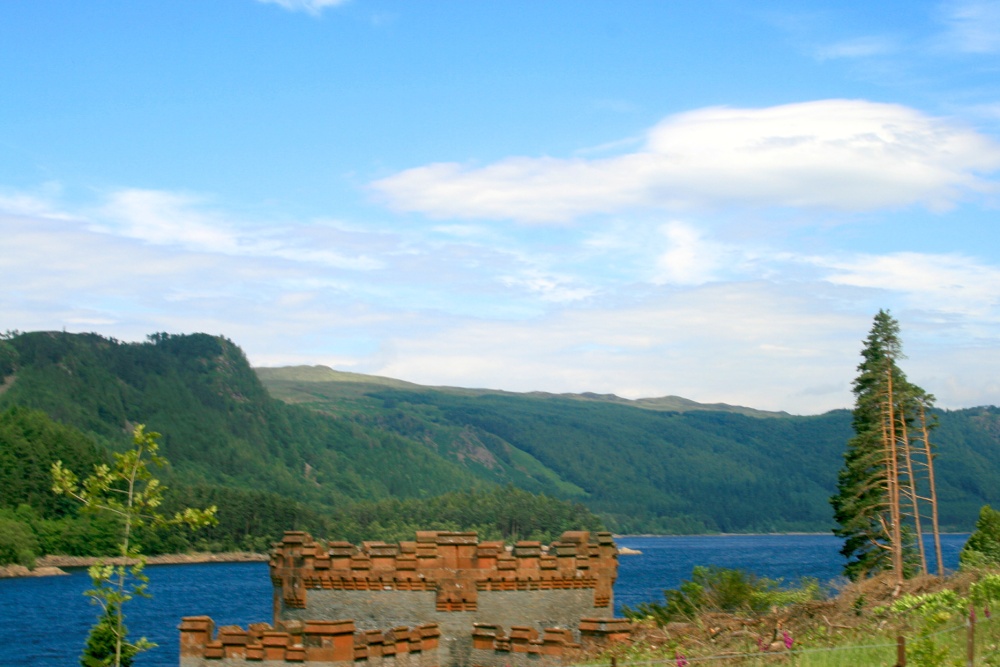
(983, 547)
(721, 589)
(18, 544)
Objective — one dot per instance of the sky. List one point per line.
(706, 199)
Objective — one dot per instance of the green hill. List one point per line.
(268, 465)
(218, 422)
(365, 457)
(666, 465)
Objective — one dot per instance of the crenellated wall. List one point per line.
(316, 643)
(456, 566)
(450, 579)
(525, 646)
(446, 598)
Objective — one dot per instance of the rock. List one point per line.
(21, 571)
(48, 572)
(625, 551)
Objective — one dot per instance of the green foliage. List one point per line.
(926, 615)
(18, 544)
(101, 647)
(222, 427)
(130, 493)
(30, 442)
(502, 513)
(986, 590)
(8, 359)
(348, 448)
(718, 589)
(646, 471)
(248, 520)
(868, 495)
(983, 547)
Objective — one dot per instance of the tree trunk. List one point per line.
(893, 474)
(911, 492)
(934, 503)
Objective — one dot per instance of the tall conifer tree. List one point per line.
(878, 500)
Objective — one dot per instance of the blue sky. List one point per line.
(704, 199)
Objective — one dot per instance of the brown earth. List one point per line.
(850, 613)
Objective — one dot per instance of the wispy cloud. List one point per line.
(22, 203)
(169, 218)
(973, 26)
(634, 307)
(548, 286)
(834, 154)
(858, 47)
(944, 283)
(689, 259)
(727, 341)
(314, 7)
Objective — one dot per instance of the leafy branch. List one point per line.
(128, 491)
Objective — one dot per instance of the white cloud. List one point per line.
(748, 344)
(166, 218)
(689, 259)
(20, 203)
(633, 307)
(314, 7)
(169, 218)
(859, 47)
(973, 26)
(549, 287)
(835, 154)
(953, 284)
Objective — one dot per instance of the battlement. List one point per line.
(456, 566)
(446, 597)
(525, 645)
(323, 642)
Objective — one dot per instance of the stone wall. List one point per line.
(313, 643)
(524, 646)
(450, 579)
(443, 600)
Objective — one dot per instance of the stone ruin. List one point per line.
(443, 600)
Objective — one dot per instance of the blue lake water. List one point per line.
(666, 561)
(44, 621)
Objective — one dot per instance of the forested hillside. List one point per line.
(359, 457)
(268, 465)
(655, 465)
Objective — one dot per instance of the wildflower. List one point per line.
(986, 613)
(761, 644)
(681, 660)
(787, 638)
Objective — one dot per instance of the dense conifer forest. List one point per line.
(356, 457)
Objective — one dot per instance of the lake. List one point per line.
(44, 621)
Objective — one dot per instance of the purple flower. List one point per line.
(761, 644)
(787, 638)
(681, 660)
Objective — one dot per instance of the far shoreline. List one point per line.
(52, 565)
(829, 532)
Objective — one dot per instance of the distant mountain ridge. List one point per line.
(318, 373)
